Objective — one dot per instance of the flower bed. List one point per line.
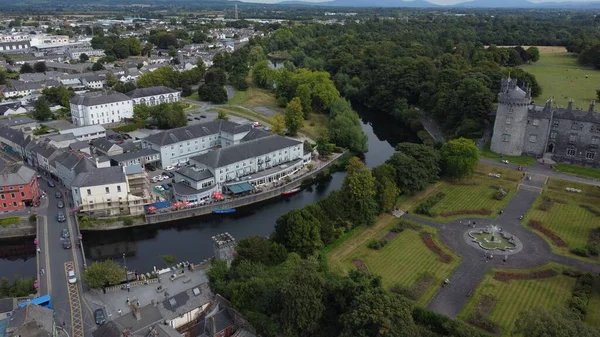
(428, 240)
(550, 234)
(466, 212)
(505, 277)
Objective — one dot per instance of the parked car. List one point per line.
(169, 168)
(72, 277)
(202, 116)
(256, 125)
(157, 178)
(60, 217)
(197, 118)
(66, 244)
(60, 204)
(165, 187)
(99, 316)
(268, 129)
(159, 188)
(58, 195)
(51, 183)
(190, 119)
(169, 174)
(65, 234)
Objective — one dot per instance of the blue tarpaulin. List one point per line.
(158, 205)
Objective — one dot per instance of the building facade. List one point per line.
(154, 96)
(100, 108)
(18, 188)
(86, 133)
(564, 134)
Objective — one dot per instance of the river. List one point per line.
(190, 239)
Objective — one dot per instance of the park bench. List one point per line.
(160, 289)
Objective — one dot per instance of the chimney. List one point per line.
(570, 106)
(592, 105)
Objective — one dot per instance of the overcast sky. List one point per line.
(439, 2)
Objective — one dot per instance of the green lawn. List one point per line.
(486, 152)
(565, 217)
(472, 194)
(562, 78)
(593, 310)
(515, 296)
(402, 261)
(13, 220)
(575, 170)
(255, 97)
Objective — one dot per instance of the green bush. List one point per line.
(499, 194)
(377, 244)
(581, 295)
(32, 218)
(580, 251)
(425, 206)
(592, 249)
(127, 221)
(13, 220)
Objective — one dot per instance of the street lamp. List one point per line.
(125, 264)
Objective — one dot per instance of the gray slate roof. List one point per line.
(104, 144)
(43, 149)
(133, 155)
(79, 145)
(32, 321)
(192, 132)
(99, 97)
(100, 176)
(151, 91)
(20, 175)
(246, 150)
(194, 175)
(577, 115)
(255, 133)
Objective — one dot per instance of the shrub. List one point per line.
(32, 218)
(546, 204)
(571, 272)
(481, 321)
(536, 275)
(425, 206)
(377, 244)
(592, 249)
(581, 295)
(580, 251)
(550, 234)
(499, 194)
(127, 221)
(404, 291)
(404, 224)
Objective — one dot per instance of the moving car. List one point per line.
(58, 195)
(197, 118)
(51, 183)
(72, 277)
(202, 116)
(66, 244)
(60, 217)
(65, 234)
(60, 204)
(99, 316)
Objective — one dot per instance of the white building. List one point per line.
(100, 108)
(177, 146)
(86, 133)
(93, 81)
(75, 53)
(44, 41)
(154, 95)
(105, 192)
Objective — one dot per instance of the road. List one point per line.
(70, 310)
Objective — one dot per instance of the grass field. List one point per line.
(472, 194)
(402, 261)
(516, 296)
(570, 221)
(486, 152)
(561, 77)
(13, 220)
(255, 97)
(593, 310)
(575, 170)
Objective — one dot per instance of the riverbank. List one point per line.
(22, 229)
(254, 198)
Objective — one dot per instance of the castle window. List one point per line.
(572, 138)
(571, 151)
(508, 120)
(506, 137)
(510, 110)
(532, 138)
(590, 155)
(553, 135)
(536, 122)
(595, 141)
(555, 124)
(595, 128)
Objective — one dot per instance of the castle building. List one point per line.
(564, 134)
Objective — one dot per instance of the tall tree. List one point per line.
(294, 119)
(299, 231)
(542, 322)
(39, 67)
(278, 124)
(459, 158)
(345, 129)
(359, 186)
(533, 53)
(102, 274)
(83, 57)
(42, 110)
(386, 189)
(26, 68)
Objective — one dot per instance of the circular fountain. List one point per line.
(493, 238)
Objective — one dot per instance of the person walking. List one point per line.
(119, 312)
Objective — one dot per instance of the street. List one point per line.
(70, 311)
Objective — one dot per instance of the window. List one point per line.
(510, 110)
(595, 141)
(107, 189)
(118, 188)
(4, 204)
(590, 155)
(22, 194)
(89, 192)
(571, 151)
(15, 203)
(595, 128)
(12, 195)
(555, 124)
(572, 138)
(532, 138)
(506, 137)
(577, 126)
(536, 122)
(2, 196)
(553, 135)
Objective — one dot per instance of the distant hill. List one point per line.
(365, 3)
(466, 4)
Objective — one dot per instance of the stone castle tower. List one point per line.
(511, 119)
(224, 247)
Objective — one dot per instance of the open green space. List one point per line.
(475, 193)
(515, 296)
(486, 152)
(593, 309)
(586, 172)
(403, 261)
(565, 216)
(13, 220)
(561, 77)
(255, 97)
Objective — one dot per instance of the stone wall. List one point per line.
(511, 120)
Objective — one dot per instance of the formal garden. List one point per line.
(408, 257)
(482, 196)
(567, 215)
(504, 294)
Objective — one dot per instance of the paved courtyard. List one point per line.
(451, 298)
